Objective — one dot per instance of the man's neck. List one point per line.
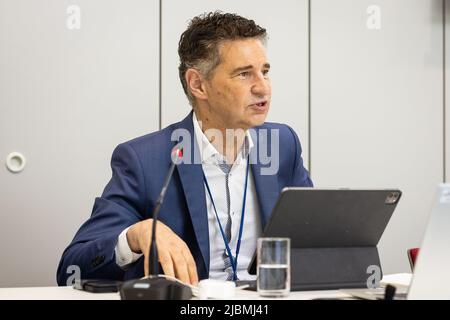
(232, 138)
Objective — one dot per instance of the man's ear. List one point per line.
(196, 84)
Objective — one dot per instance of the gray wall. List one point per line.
(368, 105)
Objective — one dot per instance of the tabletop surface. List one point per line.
(68, 293)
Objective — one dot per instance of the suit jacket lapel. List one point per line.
(191, 176)
(267, 188)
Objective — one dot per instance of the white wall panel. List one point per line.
(377, 100)
(67, 98)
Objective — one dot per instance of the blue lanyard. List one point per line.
(233, 260)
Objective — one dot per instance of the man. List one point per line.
(218, 203)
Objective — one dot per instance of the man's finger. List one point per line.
(146, 271)
(166, 262)
(192, 268)
(180, 266)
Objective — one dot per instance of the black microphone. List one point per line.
(157, 287)
(177, 154)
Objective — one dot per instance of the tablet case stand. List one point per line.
(334, 235)
(334, 268)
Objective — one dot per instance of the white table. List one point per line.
(68, 293)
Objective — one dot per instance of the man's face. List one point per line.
(239, 91)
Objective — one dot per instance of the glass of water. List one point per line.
(274, 272)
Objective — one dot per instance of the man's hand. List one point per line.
(174, 255)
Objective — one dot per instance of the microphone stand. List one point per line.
(155, 286)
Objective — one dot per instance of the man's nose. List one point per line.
(261, 87)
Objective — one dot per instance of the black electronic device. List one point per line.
(97, 285)
(334, 234)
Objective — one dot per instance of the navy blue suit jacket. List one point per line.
(139, 167)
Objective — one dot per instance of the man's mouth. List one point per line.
(262, 105)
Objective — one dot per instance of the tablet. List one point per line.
(331, 227)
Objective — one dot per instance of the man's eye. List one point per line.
(244, 75)
(266, 73)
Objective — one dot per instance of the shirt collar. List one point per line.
(208, 151)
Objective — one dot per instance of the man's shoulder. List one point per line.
(152, 137)
(284, 130)
(157, 141)
(161, 140)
